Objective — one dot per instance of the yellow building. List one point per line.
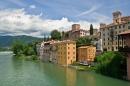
(86, 53)
(66, 52)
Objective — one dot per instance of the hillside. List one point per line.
(7, 41)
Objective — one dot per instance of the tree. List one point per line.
(67, 34)
(83, 42)
(112, 37)
(55, 34)
(91, 29)
(17, 48)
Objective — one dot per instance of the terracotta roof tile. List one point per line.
(84, 46)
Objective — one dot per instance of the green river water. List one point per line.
(19, 72)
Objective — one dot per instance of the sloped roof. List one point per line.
(84, 46)
(125, 32)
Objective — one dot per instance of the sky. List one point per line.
(39, 17)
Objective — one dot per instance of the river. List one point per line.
(19, 72)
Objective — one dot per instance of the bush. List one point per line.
(34, 57)
(75, 63)
(110, 64)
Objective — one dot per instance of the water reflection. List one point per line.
(18, 72)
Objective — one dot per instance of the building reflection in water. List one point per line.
(70, 77)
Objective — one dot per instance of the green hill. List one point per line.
(7, 41)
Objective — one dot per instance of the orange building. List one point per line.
(66, 52)
(86, 53)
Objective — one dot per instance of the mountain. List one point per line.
(7, 41)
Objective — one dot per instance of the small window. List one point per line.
(68, 52)
(68, 57)
(68, 47)
(123, 26)
(73, 47)
(128, 27)
(119, 26)
(104, 43)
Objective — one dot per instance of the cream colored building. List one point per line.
(119, 24)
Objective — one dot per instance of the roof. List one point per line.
(85, 46)
(125, 32)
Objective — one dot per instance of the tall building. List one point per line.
(109, 32)
(86, 54)
(66, 52)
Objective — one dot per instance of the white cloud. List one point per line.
(32, 6)
(18, 22)
(90, 10)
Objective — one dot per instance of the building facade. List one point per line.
(66, 52)
(39, 49)
(77, 32)
(86, 54)
(125, 36)
(108, 32)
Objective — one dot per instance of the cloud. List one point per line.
(90, 10)
(18, 2)
(18, 22)
(32, 6)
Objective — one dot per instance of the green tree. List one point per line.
(55, 34)
(111, 64)
(83, 42)
(91, 29)
(17, 48)
(67, 34)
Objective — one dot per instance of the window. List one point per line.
(123, 26)
(68, 52)
(68, 43)
(73, 52)
(108, 38)
(104, 43)
(115, 27)
(73, 56)
(68, 47)
(68, 57)
(108, 43)
(128, 27)
(119, 26)
(104, 39)
(73, 47)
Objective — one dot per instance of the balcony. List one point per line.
(125, 49)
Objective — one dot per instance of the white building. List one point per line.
(118, 25)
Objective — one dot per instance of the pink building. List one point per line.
(125, 37)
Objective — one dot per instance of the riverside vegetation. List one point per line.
(27, 51)
(112, 64)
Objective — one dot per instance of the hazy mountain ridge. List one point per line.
(7, 41)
